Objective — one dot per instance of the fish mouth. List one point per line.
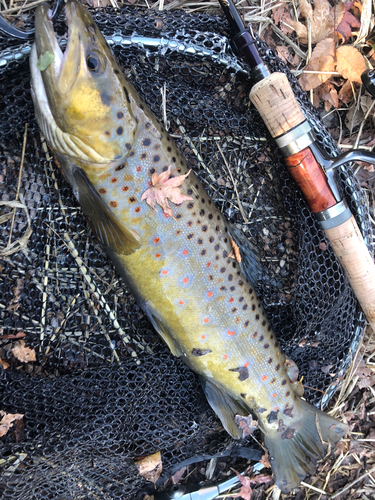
(65, 66)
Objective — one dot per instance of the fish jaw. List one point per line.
(79, 98)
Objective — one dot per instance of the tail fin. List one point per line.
(295, 450)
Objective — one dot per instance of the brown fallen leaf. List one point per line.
(23, 353)
(19, 335)
(265, 460)
(7, 421)
(346, 93)
(150, 467)
(15, 302)
(245, 491)
(247, 424)
(330, 96)
(235, 252)
(163, 188)
(322, 59)
(4, 364)
(347, 22)
(282, 18)
(350, 63)
(324, 20)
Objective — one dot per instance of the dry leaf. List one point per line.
(265, 460)
(350, 63)
(14, 303)
(247, 424)
(330, 96)
(282, 17)
(163, 188)
(4, 364)
(346, 93)
(7, 421)
(150, 467)
(19, 335)
(23, 353)
(324, 20)
(366, 102)
(245, 491)
(235, 253)
(348, 22)
(322, 59)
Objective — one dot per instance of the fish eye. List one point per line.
(94, 62)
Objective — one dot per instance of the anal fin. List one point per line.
(109, 229)
(224, 405)
(161, 329)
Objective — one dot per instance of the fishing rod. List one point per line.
(309, 166)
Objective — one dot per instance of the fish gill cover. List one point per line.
(103, 389)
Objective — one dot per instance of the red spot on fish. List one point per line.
(164, 271)
(203, 337)
(125, 188)
(208, 264)
(225, 356)
(185, 280)
(114, 179)
(139, 168)
(229, 332)
(165, 215)
(264, 378)
(276, 408)
(138, 209)
(157, 255)
(149, 184)
(156, 240)
(274, 394)
(113, 204)
(209, 294)
(206, 320)
(102, 190)
(231, 299)
(181, 302)
(246, 364)
(185, 252)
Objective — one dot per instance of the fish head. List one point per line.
(80, 99)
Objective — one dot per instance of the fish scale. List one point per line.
(231, 322)
(179, 268)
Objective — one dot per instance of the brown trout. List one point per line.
(124, 168)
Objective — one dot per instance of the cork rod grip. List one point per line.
(276, 103)
(351, 250)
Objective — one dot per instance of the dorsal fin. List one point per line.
(109, 229)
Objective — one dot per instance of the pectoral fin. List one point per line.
(225, 406)
(109, 229)
(161, 329)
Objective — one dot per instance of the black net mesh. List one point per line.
(104, 389)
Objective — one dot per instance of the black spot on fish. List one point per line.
(146, 142)
(277, 368)
(143, 156)
(222, 269)
(120, 167)
(116, 72)
(287, 394)
(269, 361)
(288, 411)
(152, 170)
(264, 323)
(246, 324)
(203, 252)
(126, 94)
(266, 346)
(178, 216)
(261, 338)
(120, 131)
(107, 133)
(211, 239)
(148, 125)
(283, 382)
(200, 241)
(230, 277)
(288, 433)
(272, 417)
(132, 199)
(210, 216)
(141, 106)
(189, 236)
(217, 248)
(156, 158)
(120, 115)
(173, 159)
(232, 288)
(132, 153)
(257, 317)
(204, 228)
(243, 395)
(189, 206)
(261, 410)
(200, 352)
(243, 372)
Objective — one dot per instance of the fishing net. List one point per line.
(104, 389)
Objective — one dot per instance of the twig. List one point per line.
(18, 183)
(234, 185)
(21, 243)
(24, 8)
(295, 47)
(313, 488)
(353, 483)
